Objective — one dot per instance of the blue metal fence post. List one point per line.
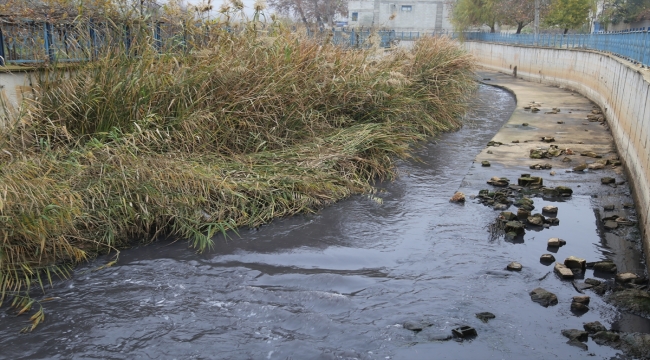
(2, 48)
(645, 49)
(47, 36)
(156, 37)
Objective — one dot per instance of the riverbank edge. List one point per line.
(620, 88)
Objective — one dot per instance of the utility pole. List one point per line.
(536, 24)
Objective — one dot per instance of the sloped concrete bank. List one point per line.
(620, 88)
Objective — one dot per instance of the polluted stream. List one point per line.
(341, 283)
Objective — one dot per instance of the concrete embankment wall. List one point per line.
(15, 85)
(620, 88)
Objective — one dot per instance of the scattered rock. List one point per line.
(500, 207)
(580, 167)
(522, 214)
(606, 337)
(563, 272)
(560, 122)
(415, 325)
(527, 180)
(627, 277)
(485, 163)
(591, 154)
(485, 316)
(566, 159)
(525, 203)
(564, 190)
(579, 344)
(458, 197)
(607, 180)
(514, 266)
(592, 282)
(610, 225)
(606, 266)
(552, 173)
(547, 259)
(595, 166)
(609, 207)
(556, 242)
(464, 331)
(594, 327)
(497, 181)
(515, 227)
(579, 307)
(515, 141)
(546, 166)
(507, 215)
(536, 219)
(550, 209)
(548, 139)
(543, 297)
(575, 334)
(573, 262)
(494, 143)
(581, 299)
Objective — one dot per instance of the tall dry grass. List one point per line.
(245, 130)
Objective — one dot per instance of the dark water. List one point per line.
(334, 285)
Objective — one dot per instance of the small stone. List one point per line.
(564, 190)
(523, 213)
(606, 337)
(547, 259)
(566, 159)
(556, 242)
(579, 344)
(458, 197)
(594, 327)
(627, 277)
(485, 163)
(575, 334)
(560, 122)
(507, 215)
(514, 266)
(415, 325)
(501, 207)
(595, 166)
(607, 180)
(605, 266)
(550, 209)
(593, 282)
(515, 141)
(515, 227)
(485, 316)
(579, 308)
(591, 154)
(489, 152)
(464, 331)
(609, 207)
(580, 167)
(526, 124)
(552, 173)
(563, 272)
(543, 297)
(610, 225)
(548, 139)
(536, 219)
(582, 299)
(573, 262)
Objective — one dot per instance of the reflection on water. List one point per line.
(336, 284)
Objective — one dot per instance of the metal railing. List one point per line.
(631, 45)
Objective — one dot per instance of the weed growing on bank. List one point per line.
(247, 129)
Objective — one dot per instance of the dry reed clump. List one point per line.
(189, 145)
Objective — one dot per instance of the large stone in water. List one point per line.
(514, 266)
(607, 180)
(573, 262)
(564, 190)
(579, 307)
(547, 259)
(626, 277)
(575, 334)
(606, 338)
(550, 209)
(563, 271)
(515, 227)
(523, 214)
(556, 242)
(594, 327)
(605, 266)
(537, 220)
(530, 181)
(507, 215)
(543, 297)
(485, 316)
(610, 225)
(582, 299)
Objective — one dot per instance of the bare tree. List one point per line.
(321, 12)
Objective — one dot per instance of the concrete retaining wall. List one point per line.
(620, 88)
(14, 87)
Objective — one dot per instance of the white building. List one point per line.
(418, 15)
